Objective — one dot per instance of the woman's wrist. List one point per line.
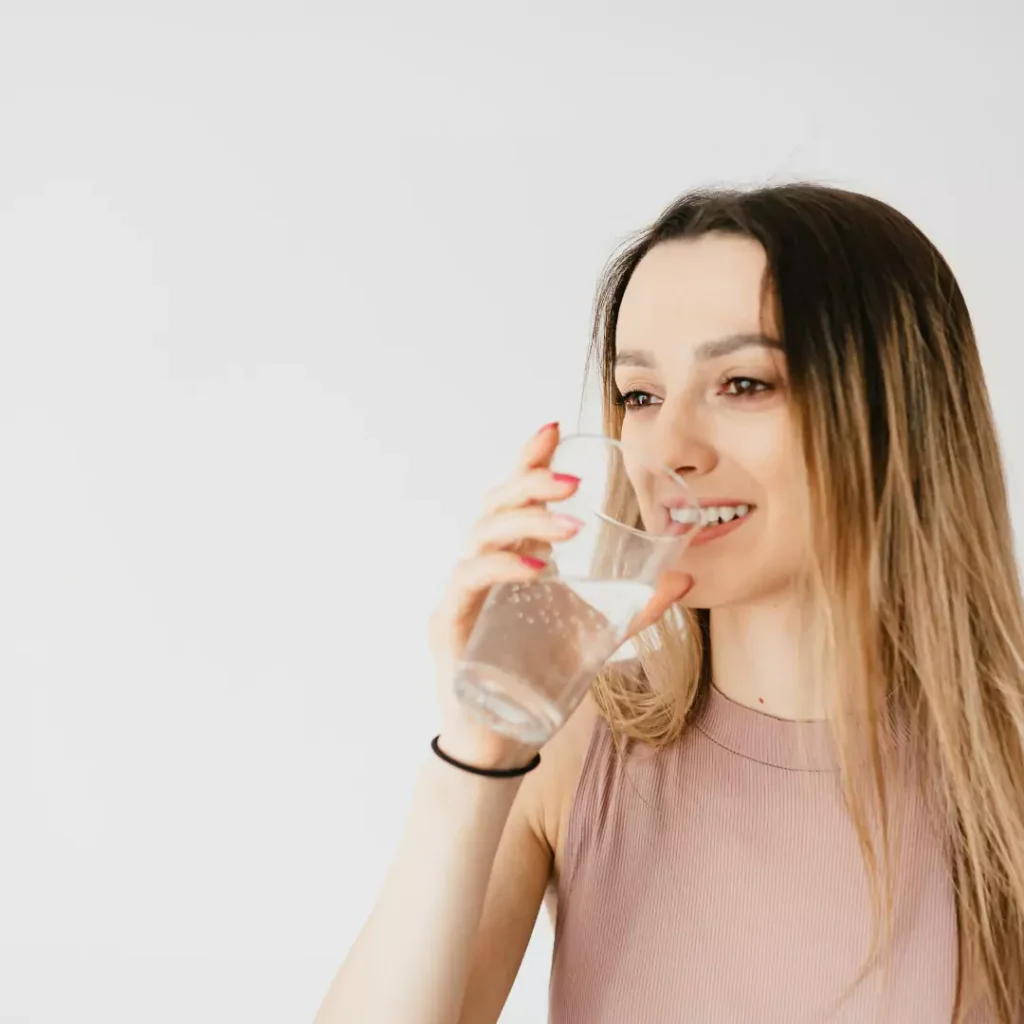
(490, 773)
(486, 751)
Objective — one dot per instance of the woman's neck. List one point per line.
(759, 658)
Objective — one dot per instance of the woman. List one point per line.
(804, 801)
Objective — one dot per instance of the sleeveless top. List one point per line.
(720, 881)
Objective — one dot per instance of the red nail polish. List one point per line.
(531, 563)
(566, 478)
(548, 426)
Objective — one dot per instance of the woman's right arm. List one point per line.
(473, 847)
(449, 929)
(469, 841)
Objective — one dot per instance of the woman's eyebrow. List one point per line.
(714, 349)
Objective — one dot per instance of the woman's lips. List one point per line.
(706, 534)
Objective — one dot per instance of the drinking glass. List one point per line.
(536, 647)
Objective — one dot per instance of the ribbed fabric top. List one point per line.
(720, 881)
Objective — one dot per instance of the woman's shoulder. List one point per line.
(555, 783)
(562, 759)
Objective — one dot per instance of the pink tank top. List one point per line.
(719, 881)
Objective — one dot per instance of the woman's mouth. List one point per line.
(709, 522)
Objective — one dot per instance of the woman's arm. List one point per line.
(469, 842)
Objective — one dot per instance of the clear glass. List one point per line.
(537, 647)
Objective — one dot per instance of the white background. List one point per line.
(281, 292)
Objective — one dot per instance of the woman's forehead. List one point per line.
(689, 292)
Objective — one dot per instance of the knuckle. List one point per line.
(492, 496)
(463, 569)
(474, 539)
(489, 531)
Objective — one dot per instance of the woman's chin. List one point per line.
(733, 590)
(713, 594)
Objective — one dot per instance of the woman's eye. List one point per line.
(742, 387)
(636, 399)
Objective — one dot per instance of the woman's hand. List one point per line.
(509, 543)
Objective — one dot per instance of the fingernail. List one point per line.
(532, 563)
(569, 522)
(548, 426)
(566, 478)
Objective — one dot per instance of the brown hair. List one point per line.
(922, 621)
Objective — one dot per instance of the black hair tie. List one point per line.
(491, 773)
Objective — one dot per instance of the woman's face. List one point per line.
(703, 380)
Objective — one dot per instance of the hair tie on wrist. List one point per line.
(491, 773)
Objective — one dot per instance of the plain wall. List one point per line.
(282, 291)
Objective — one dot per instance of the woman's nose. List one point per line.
(683, 443)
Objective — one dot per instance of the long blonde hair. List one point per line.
(922, 618)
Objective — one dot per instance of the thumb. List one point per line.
(672, 587)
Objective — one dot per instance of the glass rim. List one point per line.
(623, 447)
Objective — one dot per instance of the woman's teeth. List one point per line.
(709, 516)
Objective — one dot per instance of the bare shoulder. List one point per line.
(556, 778)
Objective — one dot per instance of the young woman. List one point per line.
(804, 800)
